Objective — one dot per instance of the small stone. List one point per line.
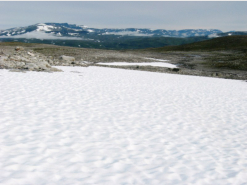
(31, 54)
(19, 48)
(175, 69)
(67, 58)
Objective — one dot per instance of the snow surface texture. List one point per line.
(159, 64)
(100, 125)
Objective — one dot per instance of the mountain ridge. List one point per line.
(73, 35)
(73, 30)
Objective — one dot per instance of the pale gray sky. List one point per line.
(170, 15)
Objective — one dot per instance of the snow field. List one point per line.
(112, 126)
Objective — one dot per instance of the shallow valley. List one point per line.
(220, 63)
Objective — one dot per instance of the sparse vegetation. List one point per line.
(222, 53)
(217, 44)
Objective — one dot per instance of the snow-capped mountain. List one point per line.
(73, 35)
(73, 31)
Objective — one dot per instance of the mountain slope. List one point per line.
(221, 43)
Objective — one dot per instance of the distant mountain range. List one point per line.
(73, 30)
(129, 38)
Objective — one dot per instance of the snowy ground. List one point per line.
(112, 126)
(157, 64)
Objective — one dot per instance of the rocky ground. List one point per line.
(20, 59)
(42, 57)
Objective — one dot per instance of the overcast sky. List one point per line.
(170, 15)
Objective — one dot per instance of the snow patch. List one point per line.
(161, 60)
(155, 64)
(213, 35)
(130, 33)
(44, 27)
(73, 34)
(89, 30)
(82, 26)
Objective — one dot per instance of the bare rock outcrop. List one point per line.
(67, 58)
(27, 60)
(64, 60)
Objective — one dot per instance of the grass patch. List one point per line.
(236, 61)
(17, 44)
